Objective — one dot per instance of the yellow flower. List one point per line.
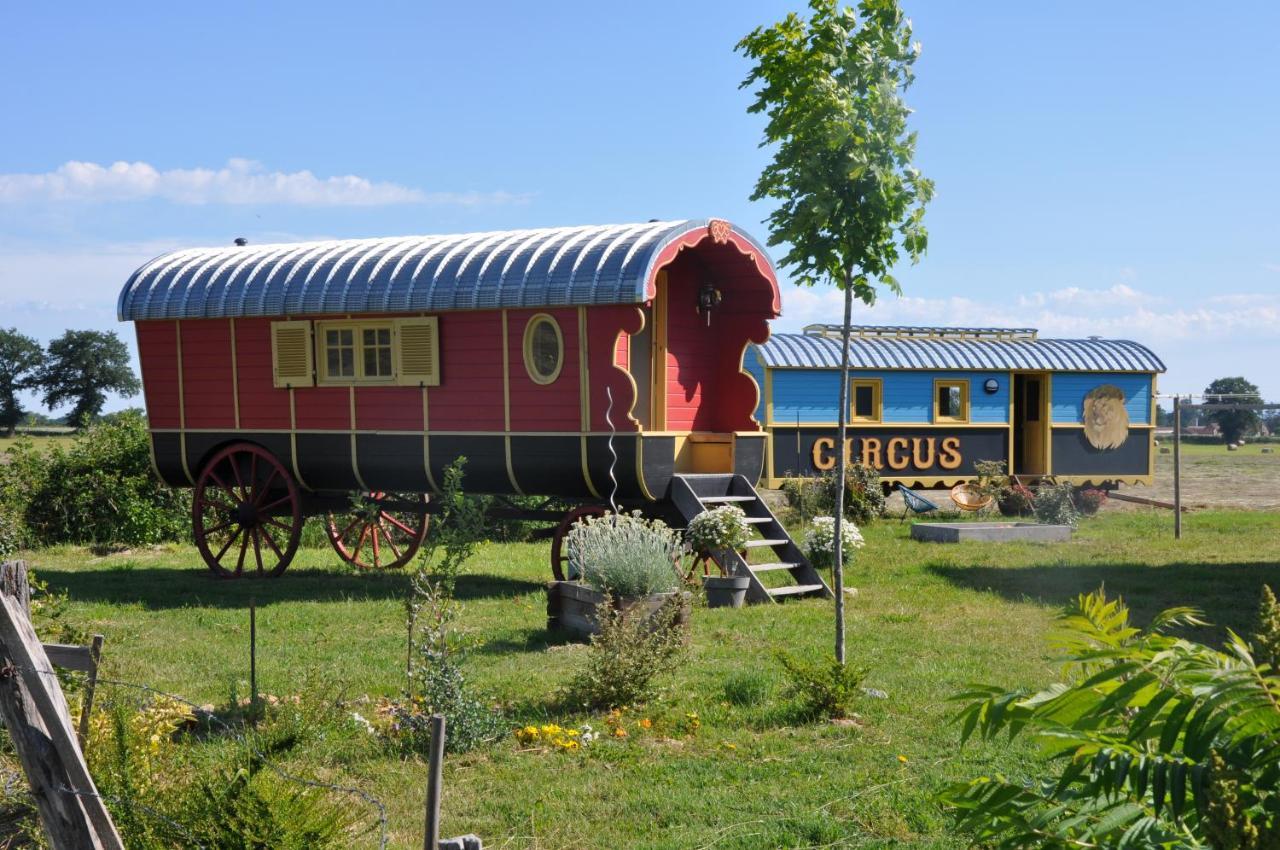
(619, 732)
(646, 723)
(728, 745)
(902, 758)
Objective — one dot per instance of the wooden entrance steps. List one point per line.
(692, 494)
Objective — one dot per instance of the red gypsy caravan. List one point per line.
(282, 379)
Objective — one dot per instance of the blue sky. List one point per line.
(1102, 168)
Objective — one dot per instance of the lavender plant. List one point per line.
(625, 555)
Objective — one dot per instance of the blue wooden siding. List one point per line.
(812, 395)
(752, 366)
(1069, 390)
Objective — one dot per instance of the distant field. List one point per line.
(1215, 477)
(42, 442)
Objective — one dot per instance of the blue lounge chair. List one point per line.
(915, 503)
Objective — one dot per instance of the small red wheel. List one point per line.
(370, 537)
(246, 500)
(559, 557)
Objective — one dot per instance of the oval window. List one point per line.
(543, 349)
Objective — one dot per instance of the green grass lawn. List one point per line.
(927, 620)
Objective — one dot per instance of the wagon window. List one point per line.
(340, 353)
(865, 404)
(376, 347)
(951, 401)
(543, 349)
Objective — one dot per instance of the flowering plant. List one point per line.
(820, 540)
(556, 737)
(725, 527)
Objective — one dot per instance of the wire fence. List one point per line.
(13, 779)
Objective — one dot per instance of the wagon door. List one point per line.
(1030, 418)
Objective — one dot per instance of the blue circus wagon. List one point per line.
(926, 403)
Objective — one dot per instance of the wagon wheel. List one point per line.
(371, 537)
(559, 557)
(246, 510)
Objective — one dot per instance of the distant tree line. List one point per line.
(1233, 425)
(78, 368)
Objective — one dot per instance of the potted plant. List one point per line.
(1017, 500)
(623, 558)
(820, 541)
(718, 532)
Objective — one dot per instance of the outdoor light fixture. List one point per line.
(708, 299)
(991, 387)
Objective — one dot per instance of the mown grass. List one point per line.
(926, 621)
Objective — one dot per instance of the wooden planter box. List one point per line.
(571, 607)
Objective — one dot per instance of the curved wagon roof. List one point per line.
(873, 347)
(561, 266)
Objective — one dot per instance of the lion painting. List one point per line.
(1106, 422)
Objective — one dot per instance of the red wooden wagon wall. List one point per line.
(209, 381)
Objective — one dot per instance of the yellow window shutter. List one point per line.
(418, 352)
(292, 358)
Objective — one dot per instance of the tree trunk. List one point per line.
(842, 465)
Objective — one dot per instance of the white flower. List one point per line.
(821, 536)
(362, 722)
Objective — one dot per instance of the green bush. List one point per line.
(12, 534)
(1055, 504)
(628, 654)
(863, 498)
(625, 555)
(100, 490)
(1151, 739)
(826, 689)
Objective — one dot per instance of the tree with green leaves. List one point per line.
(849, 202)
(82, 367)
(20, 360)
(1154, 740)
(1233, 424)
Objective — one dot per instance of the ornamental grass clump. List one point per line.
(725, 527)
(625, 555)
(820, 539)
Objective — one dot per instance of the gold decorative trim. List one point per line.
(506, 401)
(530, 327)
(293, 440)
(355, 459)
(182, 406)
(426, 443)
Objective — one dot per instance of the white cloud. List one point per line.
(240, 181)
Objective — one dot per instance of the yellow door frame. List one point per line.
(658, 366)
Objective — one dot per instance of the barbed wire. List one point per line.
(201, 712)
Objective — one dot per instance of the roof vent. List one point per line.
(241, 241)
(1094, 337)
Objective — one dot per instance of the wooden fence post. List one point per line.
(36, 715)
(435, 775)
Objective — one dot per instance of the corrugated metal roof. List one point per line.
(562, 266)
(906, 352)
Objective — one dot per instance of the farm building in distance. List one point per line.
(926, 403)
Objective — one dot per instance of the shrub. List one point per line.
(748, 687)
(1088, 500)
(625, 555)
(628, 654)
(820, 541)
(993, 478)
(100, 490)
(1018, 500)
(825, 688)
(806, 497)
(725, 527)
(1153, 741)
(12, 534)
(864, 493)
(436, 684)
(1055, 504)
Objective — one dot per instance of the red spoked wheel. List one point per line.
(559, 556)
(379, 536)
(246, 510)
